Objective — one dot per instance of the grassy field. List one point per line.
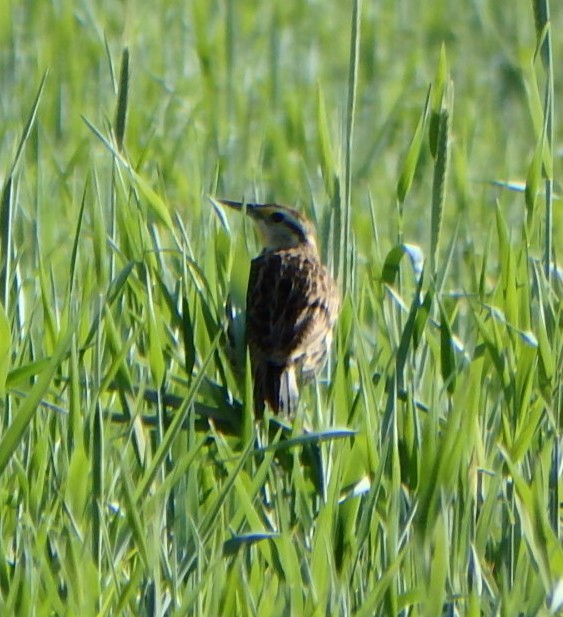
(423, 475)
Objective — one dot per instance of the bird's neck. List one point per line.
(305, 247)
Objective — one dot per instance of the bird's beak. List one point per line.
(235, 205)
(241, 206)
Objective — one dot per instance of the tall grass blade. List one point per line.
(6, 205)
(5, 350)
(439, 185)
(438, 92)
(413, 153)
(29, 124)
(324, 147)
(543, 34)
(122, 98)
(74, 254)
(408, 334)
(188, 338)
(447, 352)
(98, 503)
(156, 342)
(543, 31)
(346, 230)
(6, 222)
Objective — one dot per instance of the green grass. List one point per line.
(423, 474)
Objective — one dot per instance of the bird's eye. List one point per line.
(276, 217)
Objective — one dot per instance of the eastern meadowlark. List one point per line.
(292, 304)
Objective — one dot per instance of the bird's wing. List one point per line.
(290, 306)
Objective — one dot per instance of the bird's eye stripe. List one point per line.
(276, 217)
(297, 229)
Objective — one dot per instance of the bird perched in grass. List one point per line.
(292, 304)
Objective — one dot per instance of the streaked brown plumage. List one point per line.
(292, 304)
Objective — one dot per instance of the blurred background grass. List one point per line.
(116, 272)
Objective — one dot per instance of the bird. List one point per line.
(292, 304)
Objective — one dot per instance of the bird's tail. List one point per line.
(288, 393)
(277, 386)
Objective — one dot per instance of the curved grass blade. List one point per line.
(393, 261)
(232, 546)
(308, 438)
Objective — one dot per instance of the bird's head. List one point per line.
(278, 227)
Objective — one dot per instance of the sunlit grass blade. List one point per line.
(98, 502)
(25, 372)
(156, 339)
(507, 270)
(5, 350)
(408, 334)
(434, 601)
